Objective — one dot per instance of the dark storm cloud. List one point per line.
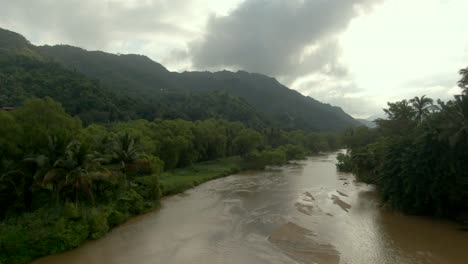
(271, 36)
(91, 23)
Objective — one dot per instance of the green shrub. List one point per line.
(344, 163)
(259, 160)
(40, 233)
(65, 235)
(132, 202)
(145, 166)
(139, 167)
(148, 187)
(115, 218)
(293, 152)
(71, 211)
(97, 221)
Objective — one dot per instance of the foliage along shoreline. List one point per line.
(418, 156)
(62, 184)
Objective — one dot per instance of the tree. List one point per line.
(210, 139)
(23, 174)
(175, 142)
(453, 120)
(10, 135)
(401, 119)
(126, 150)
(41, 119)
(463, 83)
(401, 110)
(75, 172)
(422, 106)
(247, 141)
(97, 137)
(417, 168)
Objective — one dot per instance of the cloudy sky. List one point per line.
(357, 54)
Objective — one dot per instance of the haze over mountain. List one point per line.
(367, 123)
(135, 86)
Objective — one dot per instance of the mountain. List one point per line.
(25, 73)
(132, 74)
(12, 42)
(287, 107)
(142, 88)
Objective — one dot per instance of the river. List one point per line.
(301, 213)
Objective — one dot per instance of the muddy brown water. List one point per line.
(302, 213)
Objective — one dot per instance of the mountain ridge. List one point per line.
(139, 77)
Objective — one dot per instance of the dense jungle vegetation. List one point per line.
(418, 156)
(62, 183)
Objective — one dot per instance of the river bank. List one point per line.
(179, 180)
(58, 229)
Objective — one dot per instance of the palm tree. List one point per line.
(126, 150)
(455, 120)
(20, 180)
(23, 178)
(75, 172)
(423, 107)
(463, 83)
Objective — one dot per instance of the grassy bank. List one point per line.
(179, 180)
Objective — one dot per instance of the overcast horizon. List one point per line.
(355, 54)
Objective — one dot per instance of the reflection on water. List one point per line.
(301, 213)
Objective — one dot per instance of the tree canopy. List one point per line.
(417, 156)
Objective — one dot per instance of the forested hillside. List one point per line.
(139, 77)
(26, 73)
(23, 77)
(103, 87)
(288, 108)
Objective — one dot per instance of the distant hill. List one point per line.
(367, 123)
(141, 88)
(287, 107)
